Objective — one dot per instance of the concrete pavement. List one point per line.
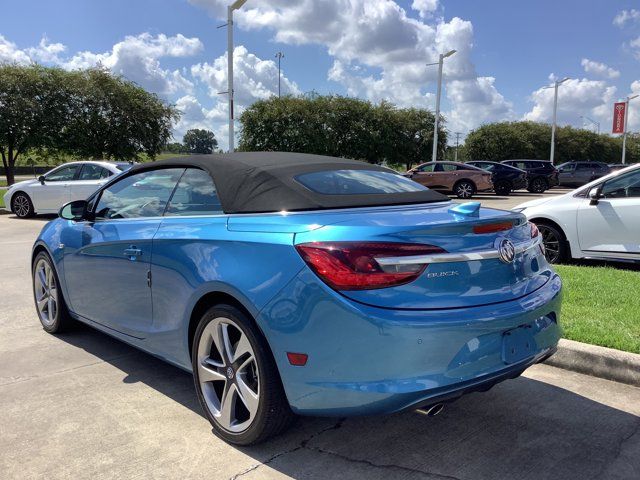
(82, 405)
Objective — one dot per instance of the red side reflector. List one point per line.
(492, 227)
(297, 359)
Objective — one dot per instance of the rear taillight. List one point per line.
(353, 265)
(535, 233)
(492, 227)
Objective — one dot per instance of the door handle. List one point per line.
(132, 253)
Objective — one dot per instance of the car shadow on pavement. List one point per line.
(521, 429)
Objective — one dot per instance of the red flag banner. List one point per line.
(618, 117)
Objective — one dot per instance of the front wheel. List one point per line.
(554, 242)
(236, 378)
(464, 189)
(22, 206)
(52, 311)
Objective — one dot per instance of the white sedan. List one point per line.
(599, 220)
(68, 182)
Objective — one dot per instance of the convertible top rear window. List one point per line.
(357, 182)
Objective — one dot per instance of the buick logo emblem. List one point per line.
(229, 373)
(506, 250)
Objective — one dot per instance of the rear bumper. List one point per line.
(367, 360)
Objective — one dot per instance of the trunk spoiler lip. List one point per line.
(460, 256)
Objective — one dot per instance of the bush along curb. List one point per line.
(597, 361)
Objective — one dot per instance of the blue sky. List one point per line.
(374, 49)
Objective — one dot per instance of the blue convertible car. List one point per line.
(303, 284)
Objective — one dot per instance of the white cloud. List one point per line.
(254, 78)
(626, 16)
(634, 45)
(194, 115)
(592, 98)
(634, 108)
(138, 59)
(598, 68)
(379, 51)
(425, 8)
(476, 101)
(10, 53)
(46, 52)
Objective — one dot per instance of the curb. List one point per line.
(607, 363)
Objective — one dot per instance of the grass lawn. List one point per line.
(2, 192)
(601, 306)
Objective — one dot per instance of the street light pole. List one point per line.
(556, 84)
(279, 56)
(595, 124)
(440, 63)
(457, 144)
(624, 135)
(234, 6)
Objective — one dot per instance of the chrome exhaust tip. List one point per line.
(432, 410)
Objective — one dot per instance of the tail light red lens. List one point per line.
(353, 265)
(492, 227)
(534, 234)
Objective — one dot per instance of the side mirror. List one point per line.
(595, 195)
(76, 211)
(41, 179)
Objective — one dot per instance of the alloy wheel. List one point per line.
(46, 292)
(464, 190)
(551, 243)
(21, 206)
(228, 375)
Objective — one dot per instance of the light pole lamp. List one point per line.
(230, 9)
(624, 135)
(440, 62)
(555, 86)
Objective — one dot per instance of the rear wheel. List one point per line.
(555, 243)
(502, 188)
(538, 185)
(21, 205)
(52, 310)
(236, 378)
(464, 189)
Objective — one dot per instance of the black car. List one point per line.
(542, 175)
(576, 174)
(505, 178)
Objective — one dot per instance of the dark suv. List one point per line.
(505, 178)
(542, 174)
(576, 174)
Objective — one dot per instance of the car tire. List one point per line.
(554, 241)
(464, 189)
(240, 391)
(47, 295)
(502, 188)
(22, 206)
(538, 185)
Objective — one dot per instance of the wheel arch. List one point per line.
(210, 299)
(475, 186)
(556, 225)
(13, 195)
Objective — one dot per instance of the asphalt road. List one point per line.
(82, 405)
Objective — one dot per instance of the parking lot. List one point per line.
(82, 405)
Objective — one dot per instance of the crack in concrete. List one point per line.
(618, 450)
(386, 466)
(304, 445)
(300, 446)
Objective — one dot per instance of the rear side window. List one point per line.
(144, 194)
(357, 182)
(195, 195)
(93, 172)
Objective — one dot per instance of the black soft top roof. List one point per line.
(261, 182)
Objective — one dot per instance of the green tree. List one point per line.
(175, 147)
(515, 140)
(199, 141)
(88, 113)
(342, 127)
